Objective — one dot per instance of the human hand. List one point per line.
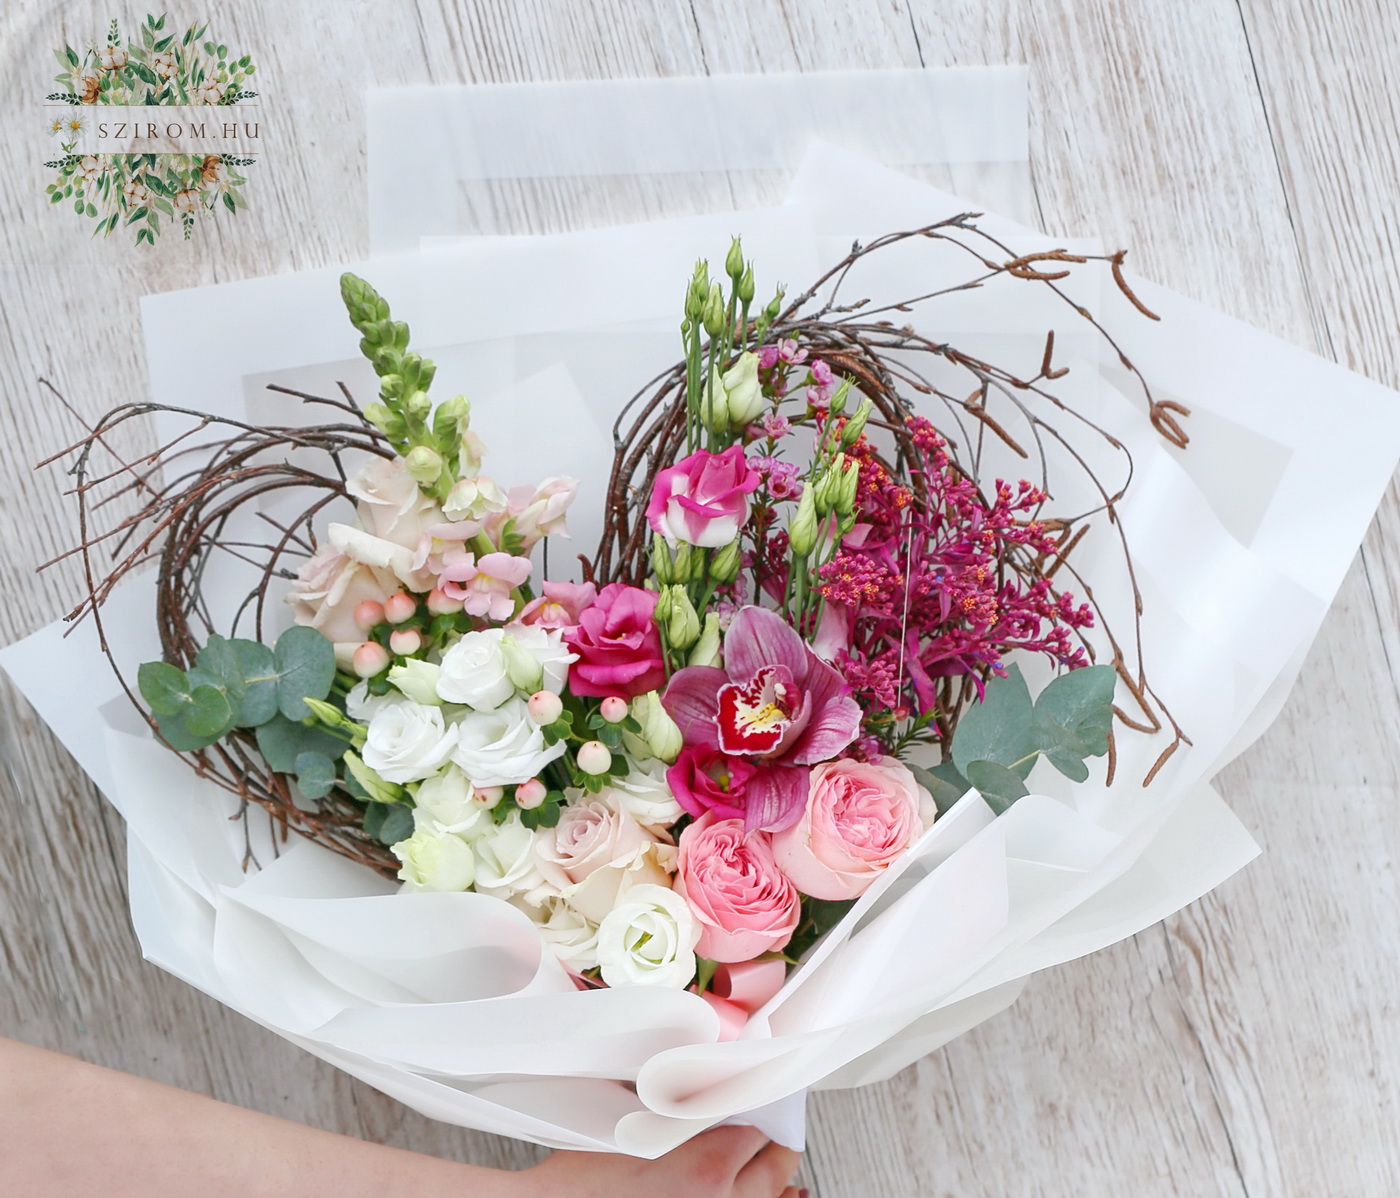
(724, 1162)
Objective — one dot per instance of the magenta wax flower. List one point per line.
(704, 779)
(775, 704)
(703, 499)
(618, 645)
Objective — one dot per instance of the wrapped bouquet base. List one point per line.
(452, 1002)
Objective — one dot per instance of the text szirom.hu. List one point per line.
(128, 130)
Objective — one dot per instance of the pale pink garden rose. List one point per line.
(741, 899)
(860, 817)
(391, 505)
(330, 586)
(596, 853)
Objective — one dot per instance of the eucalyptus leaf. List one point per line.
(398, 823)
(281, 741)
(315, 774)
(218, 660)
(998, 729)
(943, 782)
(999, 786)
(164, 687)
(209, 712)
(259, 673)
(178, 737)
(305, 662)
(1081, 702)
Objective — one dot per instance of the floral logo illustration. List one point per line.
(138, 189)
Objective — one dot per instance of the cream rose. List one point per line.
(506, 865)
(571, 937)
(328, 588)
(449, 798)
(645, 795)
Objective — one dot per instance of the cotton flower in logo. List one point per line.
(163, 63)
(212, 171)
(113, 58)
(186, 201)
(211, 91)
(135, 192)
(89, 166)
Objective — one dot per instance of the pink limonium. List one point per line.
(485, 584)
(703, 499)
(775, 703)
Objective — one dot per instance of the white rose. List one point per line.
(648, 939)
(571, 937)
(597, 853)
(646, 795)
(474, 671)
(505, 862)
(434, 859)
(407, 741)
(537, 658)
(502, 747)
(450, 799)
(418, 680)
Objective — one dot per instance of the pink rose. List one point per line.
(860, 816)
(618, 645)
(742, 902)
(704, 779)
(328, 589)
(560, 606)
(703, 499)
(596, 853)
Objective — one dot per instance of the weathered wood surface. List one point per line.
(1246, 150)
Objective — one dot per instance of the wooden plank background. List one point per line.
(1246, 151)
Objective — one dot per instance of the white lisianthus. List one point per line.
(418, 680)
(450, 799)
(645, 795)
(742, 390)
(408, 741)
(571, 937)
(435, 859)
(474, 499)
(506, 864)
(474, 671)
(361, 705)
(503, 747)
(648, 939)
(536, 657)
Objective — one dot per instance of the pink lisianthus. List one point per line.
(618, 645)
(484, 586)
(775, 703)
(704, 779)
(560, 606)
(328, 589)
(860, 817)
(703, 499)
(742, 901)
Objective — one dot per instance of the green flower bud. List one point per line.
(373, 784)
(661, 564)
(850, 483)
(364, 304)
(450, 422)
(706, 650)
(418, 680)
(387, 422)
(802, 528)
(683, 562)
(424, 464)
(827, 489)
(659, 738)
(855, 424)
(724, 565)
(743, 390)
(713, 315)
(522, 668)
(682, 624)
(418, 406)
(391, 386)
(734, 263)
(714, 405)
(838, 401)
(332, 717)
(744, 288)
(665, 601)
(775, 306)
(696, 293)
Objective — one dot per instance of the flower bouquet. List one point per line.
(840, 732)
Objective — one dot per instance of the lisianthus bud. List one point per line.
(695, 295)
(665, 600)
(614, 709)
(827, 491)
(744, 288)
(743, 390)
(682, 624)
(775, 306)
(660, 737)
(713, 315)
(682, 562)
(399, 607)
(661, 564)
(850, 483)
(594, 757)
(838, 401)
(724, 565)
(544, 707)
(529, 795)
(714, 407)
(405, 641)
(522, 668)
(423, 464)
(855, 424)
(440, 603)
(372, 784)
(418, 680)
(370, 659)
(802, 528)
(734, 261)
(369, 613)
(706, 650)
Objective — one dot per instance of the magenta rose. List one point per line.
(618, 645)
(704, 779)
(703, 499)
(741, 900)
(860, 816)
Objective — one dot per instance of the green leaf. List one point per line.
(999, 786)
(281, 741)
(178, 737)
(389, 823)
(546, 815)
(315, 774)
(305, 662)
(259, 672)
(219, 661)
(998, 729)
(943, 782)
(209, 713)
(163, 686)
(1079, 702)
(228, 202)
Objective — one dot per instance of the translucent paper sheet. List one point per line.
(446, 1001)
(549, 157)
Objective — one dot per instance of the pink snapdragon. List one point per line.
(485, 586)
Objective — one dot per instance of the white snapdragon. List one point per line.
(474, 499)
(408, 741)
(648, 939)
(503, 747)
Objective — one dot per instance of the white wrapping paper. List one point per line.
(446, 1001)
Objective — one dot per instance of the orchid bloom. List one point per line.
(484, 584)
(775, 703)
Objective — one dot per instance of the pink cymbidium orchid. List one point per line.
(775, 704)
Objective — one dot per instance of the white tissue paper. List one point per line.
(446, 1001)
